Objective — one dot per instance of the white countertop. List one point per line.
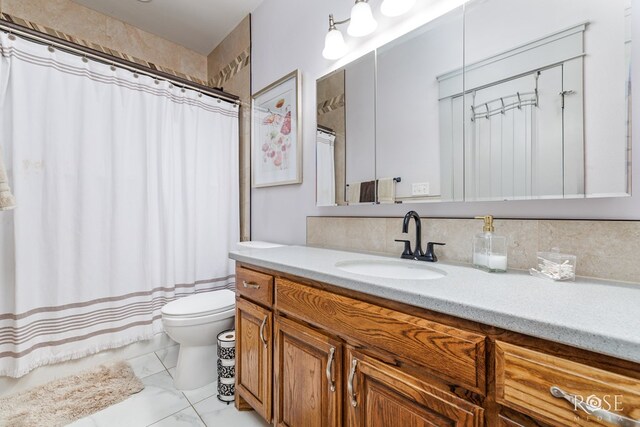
(600, 316)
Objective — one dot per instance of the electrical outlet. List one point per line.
(420, 189)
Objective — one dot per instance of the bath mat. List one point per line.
(65, 400)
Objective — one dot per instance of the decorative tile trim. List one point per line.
(230, 70)
(63, 36)
(331, 104)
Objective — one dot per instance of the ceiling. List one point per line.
(199, 25)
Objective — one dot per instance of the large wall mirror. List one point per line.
(347, 112)
(499, 100)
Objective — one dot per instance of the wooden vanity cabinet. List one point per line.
(310, 354)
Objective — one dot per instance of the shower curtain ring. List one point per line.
(51, 49)
(85, 59)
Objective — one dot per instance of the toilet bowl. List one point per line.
(194, 322)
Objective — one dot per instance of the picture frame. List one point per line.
(276, 133)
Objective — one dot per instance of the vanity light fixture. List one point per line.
(361, 23)
(396, 7)
(334, 45)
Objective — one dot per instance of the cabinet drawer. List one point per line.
(447, 352)
(254, 286)
(524, 381)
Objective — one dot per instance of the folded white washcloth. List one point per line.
(7, 200)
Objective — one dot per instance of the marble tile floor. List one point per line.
(161, 405)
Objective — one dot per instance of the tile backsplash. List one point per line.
(605, 249)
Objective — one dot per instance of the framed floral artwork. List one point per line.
(276, 143)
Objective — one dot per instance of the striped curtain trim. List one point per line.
(63, 36)
(230, 286)
(55, 343)
(65, 325)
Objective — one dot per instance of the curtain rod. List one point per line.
(104, 58)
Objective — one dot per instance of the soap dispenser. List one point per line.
(489, 249)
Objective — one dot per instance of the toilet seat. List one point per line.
(200, 305)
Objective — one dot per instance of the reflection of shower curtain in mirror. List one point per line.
(325, 169)
(515, 141)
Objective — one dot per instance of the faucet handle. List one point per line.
(430, 255)
(407, 247)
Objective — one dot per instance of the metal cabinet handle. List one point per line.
(332, 384)
(251, 285)
(352, 374)
(589, 409)
(264, 323)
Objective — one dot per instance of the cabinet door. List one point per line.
(308, 374)
(254, 352)
(380, 395)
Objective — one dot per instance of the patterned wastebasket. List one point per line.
(226, 365)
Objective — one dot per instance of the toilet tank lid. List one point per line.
(200, 304)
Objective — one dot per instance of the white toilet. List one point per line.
(194, 322)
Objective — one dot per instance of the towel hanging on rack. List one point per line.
(353, 193)
(7, 200)
(387, 190)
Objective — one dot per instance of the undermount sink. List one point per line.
(391, 269)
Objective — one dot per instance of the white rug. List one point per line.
(65, 400)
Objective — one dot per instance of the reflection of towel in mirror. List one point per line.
(353, 193)
(368, 192)
(325, 169)
(386, 190)
(7, 201)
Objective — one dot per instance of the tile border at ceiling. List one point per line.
(231, 69)
(331, 104)
(121, 55)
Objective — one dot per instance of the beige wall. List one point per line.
(605, 249)
(229, 67)
(81, 22)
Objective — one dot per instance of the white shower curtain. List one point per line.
(128, 197)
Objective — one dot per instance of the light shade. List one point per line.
(396, 7)
(334, 45)
(362, 22)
